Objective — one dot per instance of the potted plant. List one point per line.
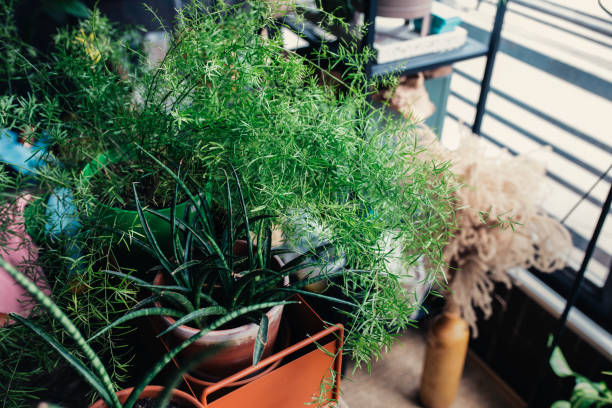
(221, 260)
(97, 376)
(224, 97)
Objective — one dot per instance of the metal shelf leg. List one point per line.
(488, 72)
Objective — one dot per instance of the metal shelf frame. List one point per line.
(471, 49)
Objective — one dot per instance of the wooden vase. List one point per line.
(447, 342)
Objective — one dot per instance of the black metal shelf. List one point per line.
(471, 49)
(407, 66)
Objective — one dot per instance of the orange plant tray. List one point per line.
(309, 369)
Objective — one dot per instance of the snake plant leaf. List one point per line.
(159, 288)
(198, 285)
(229, 230)
(267, 247)
(252, 221)
(261, 340)
(196, 314)
(199, 208)
(123, 275)
(83, 370)
(260, 245)
(302, 257)
(154, 311)
(319, 296)
(186, 265)
(177, 299)
(245, 216)
(144, 284)
(150, 236)
(173, 231)
(186, 366)
(205, 241)
(46, 302)
(147, 301)
(299, 266)
(166, 358)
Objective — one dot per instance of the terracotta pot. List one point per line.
(408, 9)
(312, 358)
(234, 347)
(153, 391)
(18, 249)
(197, 385)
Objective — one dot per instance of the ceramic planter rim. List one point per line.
(219, 332)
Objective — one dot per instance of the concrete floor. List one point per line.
(551, 85)
(394, 381)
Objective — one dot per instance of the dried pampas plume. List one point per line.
(500, 225)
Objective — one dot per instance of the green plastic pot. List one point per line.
(127, 220)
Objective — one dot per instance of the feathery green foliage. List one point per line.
(226, 97)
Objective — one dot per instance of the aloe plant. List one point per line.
(204, 275)
(95, 372)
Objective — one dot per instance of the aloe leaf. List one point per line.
(83, 370)
(154, 311)
(196, 314)
(166, 358)
(68, 325)
(261, 340)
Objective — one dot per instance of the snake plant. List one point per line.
(95, 372)
(204, 275)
